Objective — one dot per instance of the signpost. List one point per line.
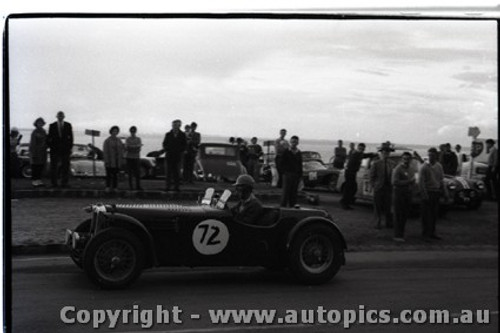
(474, 132)
(93, 134)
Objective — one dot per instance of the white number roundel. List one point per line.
(210, 237)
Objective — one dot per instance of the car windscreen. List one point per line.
(221, 151)
(313, 166)
(80, 151)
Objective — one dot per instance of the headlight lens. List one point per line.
(452, 186)
(480, 185)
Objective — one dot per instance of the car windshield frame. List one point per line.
(230, 152)
(317, 166)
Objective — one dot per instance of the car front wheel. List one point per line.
(316, 254)
(143, 172)
(26, 171)
(114, 258)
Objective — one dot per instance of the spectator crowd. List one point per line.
(391, 183)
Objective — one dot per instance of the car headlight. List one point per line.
(480, 185)
(452, 186)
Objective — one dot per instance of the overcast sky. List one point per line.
(421, 82)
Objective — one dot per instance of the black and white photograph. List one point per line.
(258, 168)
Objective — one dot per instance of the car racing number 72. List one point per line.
(210, 237)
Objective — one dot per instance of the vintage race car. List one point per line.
(465, 192)
(119, 241)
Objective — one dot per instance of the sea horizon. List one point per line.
(153, 142)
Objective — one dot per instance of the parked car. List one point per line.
(462, 191)
(218, 161)
(118, 241)
(214, 162)
(317, 174)
(81, 161)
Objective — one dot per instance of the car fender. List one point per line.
(314, 220)
(127, 222)
(148, 162)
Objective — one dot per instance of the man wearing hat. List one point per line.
(60, 142)
(431, 185)
(249, 208)
(380, 179)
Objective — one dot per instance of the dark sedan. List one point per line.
(214, 162)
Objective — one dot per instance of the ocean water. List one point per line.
(153, 142)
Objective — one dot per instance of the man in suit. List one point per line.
(60, 142)
(174, 145)
(249, 208)
(380, 178)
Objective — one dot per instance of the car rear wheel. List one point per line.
(114, 258)
(76, 254)
(143, 172)
(316, 254)
(26, 171)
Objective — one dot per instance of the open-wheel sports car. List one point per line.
(119, 241)
(465, 192)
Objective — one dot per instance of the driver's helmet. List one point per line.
(246, 180)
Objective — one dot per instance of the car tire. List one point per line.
(114, 258)
(76, 254)
(316, 254)
(143, 172)
(26, 171)
(332, 183)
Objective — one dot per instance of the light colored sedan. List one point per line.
(82, 162)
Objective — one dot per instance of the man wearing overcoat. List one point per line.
(380, 179)
(60, 142)
(174, 145)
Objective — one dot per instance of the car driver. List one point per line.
(249, 208)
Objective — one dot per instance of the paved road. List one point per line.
(42, 286)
